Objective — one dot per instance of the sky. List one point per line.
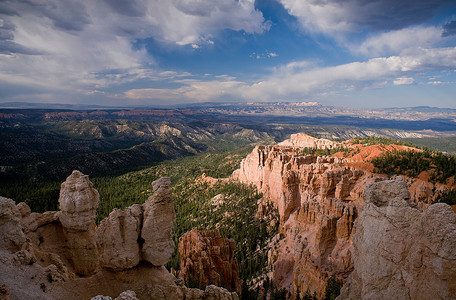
(345, 53)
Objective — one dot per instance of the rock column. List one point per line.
(78, 207)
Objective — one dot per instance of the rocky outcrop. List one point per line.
(159, 216)
(78, 202)
(414, 255)
(12, 237)
(207, 258)
(306, 141)
(211, 292)
(117, 238)
(319, 199)
(127, 295)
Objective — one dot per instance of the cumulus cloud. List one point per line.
(186, 22)
(404, 81)
(333, 16)
(81, 45)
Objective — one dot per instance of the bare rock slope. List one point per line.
(401, 252)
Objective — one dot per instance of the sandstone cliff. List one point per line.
(319, 199)
(63, 255)
(208, 258)
(401, 252)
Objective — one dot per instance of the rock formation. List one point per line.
(158, 224)
(127, 295)
(306, 141)
(117, 238)
(207, 258)
(319, 200)
(62, 255)
(78, 202)
(66, 238)
(12, 237)
(140, 232)
(401, 252)
(211, 292)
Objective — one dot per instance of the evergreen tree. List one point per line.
(332, 289)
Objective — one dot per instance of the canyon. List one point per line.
(378, 238)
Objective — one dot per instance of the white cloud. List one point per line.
(404, 81)
(265, 54)
(295, 83)
(223, 88)
(394, 42)
(186, 22)
(82, 45)
(335, 16)
(438, 82)
(299, 80)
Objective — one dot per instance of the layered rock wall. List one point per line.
(306, 141)
(319, 199)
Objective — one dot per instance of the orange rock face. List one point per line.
(319, 200)
(208, 258)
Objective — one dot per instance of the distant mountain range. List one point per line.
(250, 107)
(253, 115)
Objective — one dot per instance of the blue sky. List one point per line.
(350, 53)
